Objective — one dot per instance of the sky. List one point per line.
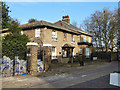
(53, 11)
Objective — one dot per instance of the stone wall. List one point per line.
(47, 52)
(32, 48)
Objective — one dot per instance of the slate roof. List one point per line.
(84, 43)
(59, 25)
(69, 26)
(62, 25)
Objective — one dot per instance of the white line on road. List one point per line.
(83, 75)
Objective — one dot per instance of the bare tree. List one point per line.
(102, 25)
(74, 23)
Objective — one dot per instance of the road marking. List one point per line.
(83, 75)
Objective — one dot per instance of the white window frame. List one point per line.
(89, 40)
(54, 53)
(72, 39)
(37, 32)
(54, 35)
(87, 52)
(84, 38)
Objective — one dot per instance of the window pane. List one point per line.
(37, 32)
(53, 49)
(54, 35)
(54, 53)
(84, 38)
(80, 50)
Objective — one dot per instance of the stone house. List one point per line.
(4, 32)
(65, 39)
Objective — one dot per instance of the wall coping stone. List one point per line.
(32, 43)
(47, 45)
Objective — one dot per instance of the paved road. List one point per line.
(102, 82)
(82, 79)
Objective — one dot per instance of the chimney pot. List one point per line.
(66, 19)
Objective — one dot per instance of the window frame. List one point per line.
(84, 38)
(54, 36)
(89, 40)
(37, 32)
(72, 38)
(54, 54)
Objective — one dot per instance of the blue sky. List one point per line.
(52, 12)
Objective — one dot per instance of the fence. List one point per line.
(6, 66)
(108, 56)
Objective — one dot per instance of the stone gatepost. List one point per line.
(47, 53)
(32, 48)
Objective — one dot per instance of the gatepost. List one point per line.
(32, 48)
(47, 49)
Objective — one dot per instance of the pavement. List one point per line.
(91, 78)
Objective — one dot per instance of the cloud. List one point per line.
(60, 0)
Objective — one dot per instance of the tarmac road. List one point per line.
(87, 78)
(96, 78)
(102, 82)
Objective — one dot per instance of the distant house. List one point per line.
(4, 32)
(65, 39)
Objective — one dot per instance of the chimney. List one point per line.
(66, 19)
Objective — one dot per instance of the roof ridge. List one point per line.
(56, 22)
(64, 25)
(75, 27)
(49, 22)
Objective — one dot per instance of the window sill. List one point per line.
(55, 57)
(65, 57)
(37, 36)
(55, 40)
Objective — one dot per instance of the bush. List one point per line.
(14, 44)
